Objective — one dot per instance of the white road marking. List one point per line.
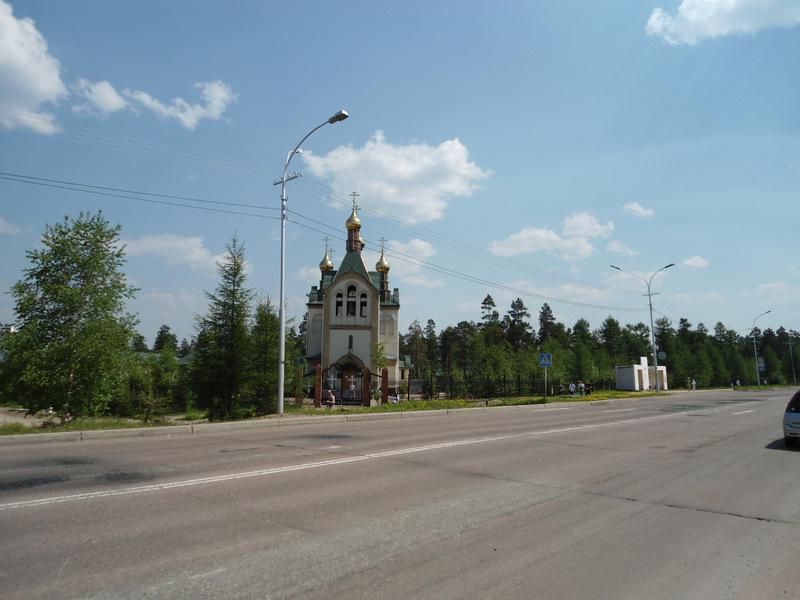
(140, 489)
(744, 412)
(546, 409)
(619, 410)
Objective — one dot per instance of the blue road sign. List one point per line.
(546, 360)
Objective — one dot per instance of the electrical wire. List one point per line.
(106, 191)
(128, 197)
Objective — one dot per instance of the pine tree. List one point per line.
(223, 343)
(165, 339)
(517, 327)
(264, 358)
(73, 332)
(184, 349)
(547, 323)
(488, 308)
(138, 343)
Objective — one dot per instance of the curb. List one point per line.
(210, 428)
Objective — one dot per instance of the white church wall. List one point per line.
(362, 347)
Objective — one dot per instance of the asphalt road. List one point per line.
(688, 496)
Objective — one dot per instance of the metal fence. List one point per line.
(454, 386)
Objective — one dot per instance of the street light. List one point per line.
(649, 295)
(755, 349)
(339, 116)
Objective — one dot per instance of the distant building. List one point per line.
(349, 312)
(640, 377)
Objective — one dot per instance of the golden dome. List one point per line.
(327, 263)
(353, 222)
(382, 266)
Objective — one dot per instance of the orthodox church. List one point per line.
(349, 313)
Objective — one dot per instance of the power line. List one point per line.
(147, 149)
(137, 192)
(140, 199)
(99, 191)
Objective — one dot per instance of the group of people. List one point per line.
(581, 389)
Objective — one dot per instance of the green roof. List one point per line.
(353, 262)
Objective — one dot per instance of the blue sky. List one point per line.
(525, 145)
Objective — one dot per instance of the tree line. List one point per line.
(507, 347)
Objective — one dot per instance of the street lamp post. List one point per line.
(650, 295)
(791, 358)
(755, 348)
(339, 116)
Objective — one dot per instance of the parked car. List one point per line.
(791, 421)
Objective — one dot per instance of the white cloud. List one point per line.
(617, 247)
(571, 244)
(623, 282)
(586, 225)
(175, 308)
(414, 180)
(29, 75)
(406, 270)
(534, 239)
(101, 99)
(310, 275)
(638, 211)
(174, 250)
(7, 228)
(697, 20)
(697, 298)
(217, 96)
(779, 293)
(696, 262)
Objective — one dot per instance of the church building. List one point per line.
(349, 313)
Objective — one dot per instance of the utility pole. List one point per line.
(755, 348)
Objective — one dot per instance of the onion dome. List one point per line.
(353, 222)
(327, 263)
(382, 266)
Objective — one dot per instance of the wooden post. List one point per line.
(365, 385)
(318, 386)
(385, 384)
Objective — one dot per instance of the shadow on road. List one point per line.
(780, 444)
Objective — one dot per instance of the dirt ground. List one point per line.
(17, 415)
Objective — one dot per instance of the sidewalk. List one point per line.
(265, 422)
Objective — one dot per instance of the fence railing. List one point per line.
(452, 386)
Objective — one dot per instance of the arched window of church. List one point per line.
(363, 305)
(339, 303)
(351, 301)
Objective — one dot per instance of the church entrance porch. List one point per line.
(351, 381)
